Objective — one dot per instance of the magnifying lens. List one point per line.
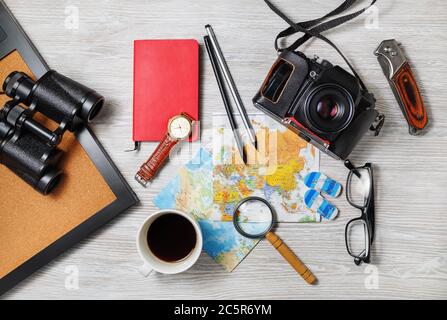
(254, 218)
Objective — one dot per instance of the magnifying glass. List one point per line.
(254, 218)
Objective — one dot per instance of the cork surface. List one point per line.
(30, 222)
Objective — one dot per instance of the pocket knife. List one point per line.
(396, 68)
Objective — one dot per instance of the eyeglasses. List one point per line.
(359, 232)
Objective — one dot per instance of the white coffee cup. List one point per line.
(152, 262)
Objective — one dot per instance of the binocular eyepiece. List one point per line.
(27, 147)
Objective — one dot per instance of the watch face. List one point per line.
(179, 128)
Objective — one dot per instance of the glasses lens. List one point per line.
(357, 238)
(254, 218)
(358, 188)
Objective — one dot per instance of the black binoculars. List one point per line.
(27, 147)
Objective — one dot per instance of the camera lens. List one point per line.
(329, 108)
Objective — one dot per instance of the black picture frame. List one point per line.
(12, 37)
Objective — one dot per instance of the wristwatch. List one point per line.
(179, 128)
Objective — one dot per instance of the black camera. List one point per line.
(27, 147)
(322, 103)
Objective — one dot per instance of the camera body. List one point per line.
(27, 147)
(324, 104)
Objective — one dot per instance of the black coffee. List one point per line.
(171, 237)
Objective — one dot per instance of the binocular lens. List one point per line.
(92, 106)
(49, 181)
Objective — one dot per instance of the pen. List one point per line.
(223, 93)
(231, 85)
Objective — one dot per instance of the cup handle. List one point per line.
(145, 270)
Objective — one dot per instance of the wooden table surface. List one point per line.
(409, 255)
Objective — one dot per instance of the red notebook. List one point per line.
(166, 83)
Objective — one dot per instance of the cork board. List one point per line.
(29, 221)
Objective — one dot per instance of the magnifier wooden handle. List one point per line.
(291, 258)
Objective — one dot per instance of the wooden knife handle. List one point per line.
(411, 99)
(293, 260)
(156, 161)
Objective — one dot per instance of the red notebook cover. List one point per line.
(166, 83)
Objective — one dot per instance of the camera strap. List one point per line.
(313, 28)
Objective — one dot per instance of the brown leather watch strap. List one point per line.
(158, 158)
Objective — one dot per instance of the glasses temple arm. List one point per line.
(350, 166)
